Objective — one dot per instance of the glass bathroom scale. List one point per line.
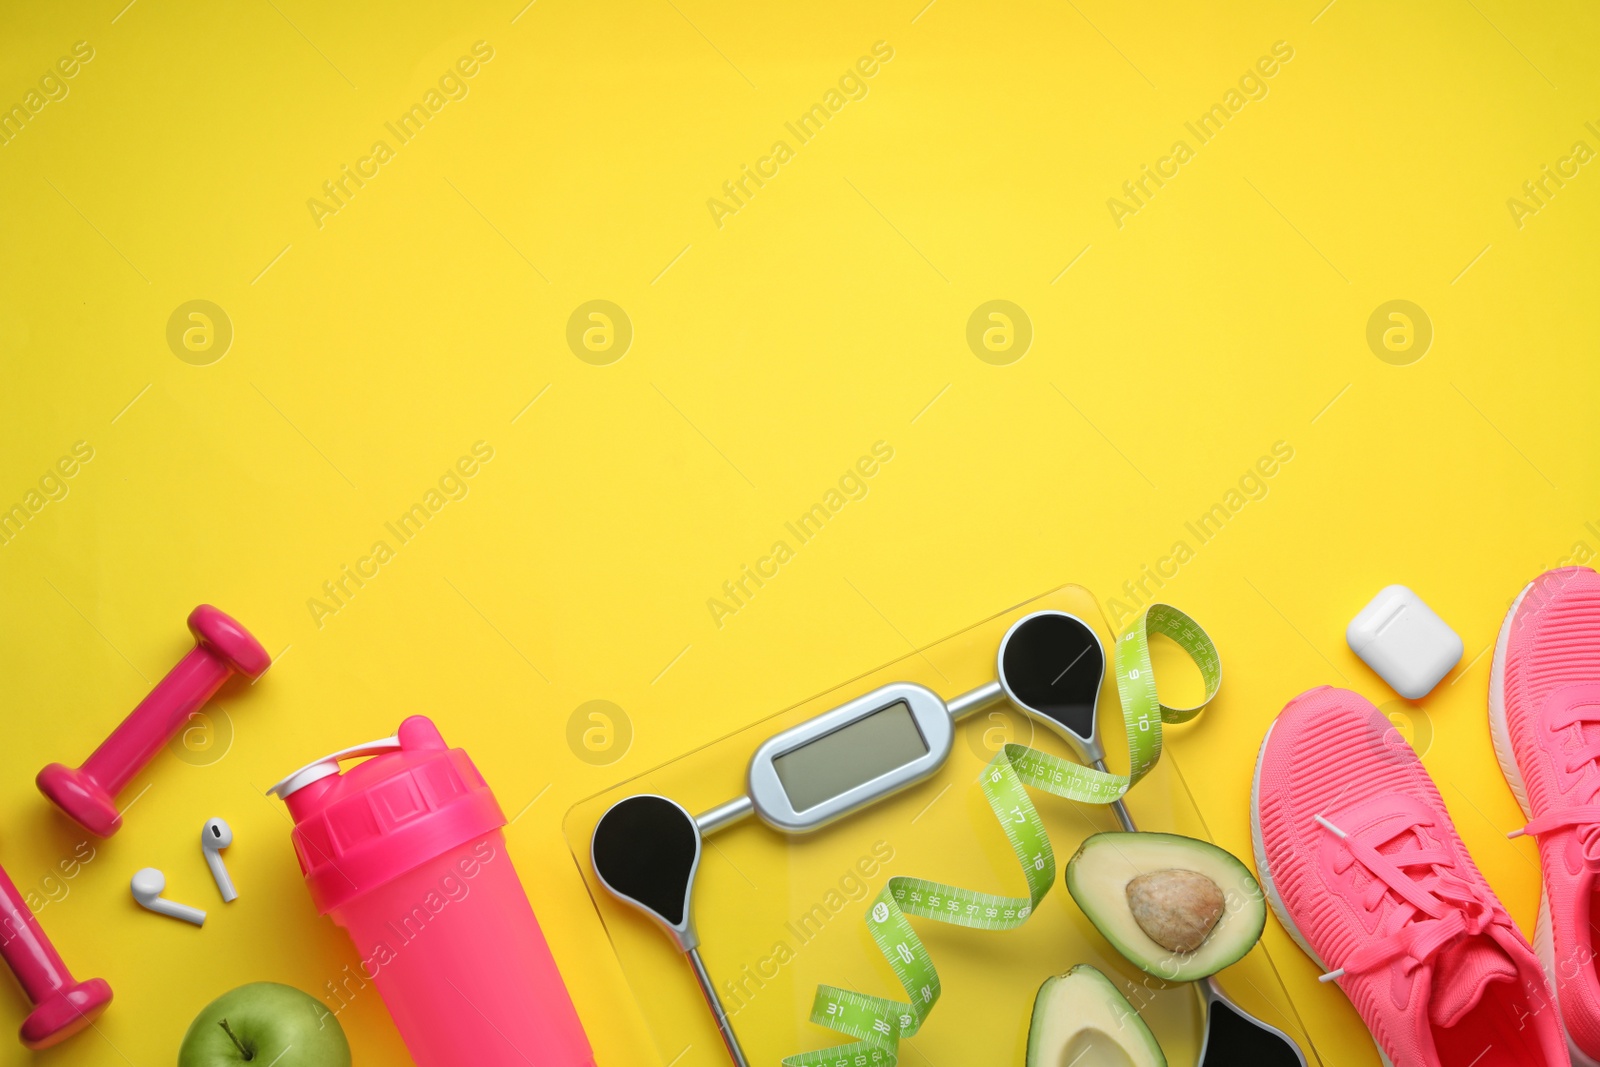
(778, 914)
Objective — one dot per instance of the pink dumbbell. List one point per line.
(62, 1005)
(88, 794)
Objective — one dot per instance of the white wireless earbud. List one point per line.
(148, 886)
(215, 836)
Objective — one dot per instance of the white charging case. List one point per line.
(1402, 639)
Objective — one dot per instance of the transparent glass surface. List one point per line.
(777, 915)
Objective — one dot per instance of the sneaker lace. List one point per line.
(1433, 907)
(1585, 817)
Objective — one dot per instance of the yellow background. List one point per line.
(829, 313)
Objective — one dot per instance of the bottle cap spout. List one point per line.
(418, 734)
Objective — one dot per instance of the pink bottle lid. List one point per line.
(414, 799)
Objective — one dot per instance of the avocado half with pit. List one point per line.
(1081, 1020)
(1177, 908)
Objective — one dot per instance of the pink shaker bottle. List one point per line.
(406, 852)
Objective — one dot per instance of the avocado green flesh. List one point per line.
(1098, 877)
(1081, 1020)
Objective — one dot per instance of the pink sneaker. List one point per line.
(1360, 861)
(1544, 716)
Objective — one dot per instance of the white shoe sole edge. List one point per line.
(1265, 871)
(1500, 735)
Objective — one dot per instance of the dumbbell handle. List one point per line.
(159, 716)
(27, 951)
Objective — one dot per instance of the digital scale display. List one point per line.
(857, 752)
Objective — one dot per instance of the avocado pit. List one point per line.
(1177, 908)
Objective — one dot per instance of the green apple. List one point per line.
(265, 1023)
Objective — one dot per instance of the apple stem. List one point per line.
(246, 1053)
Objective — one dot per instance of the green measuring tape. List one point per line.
(877, 1023)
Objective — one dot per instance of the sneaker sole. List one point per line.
(1500, 735)
(1264, 870)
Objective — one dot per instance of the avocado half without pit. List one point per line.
(1177, 908)
(1081, 1019)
